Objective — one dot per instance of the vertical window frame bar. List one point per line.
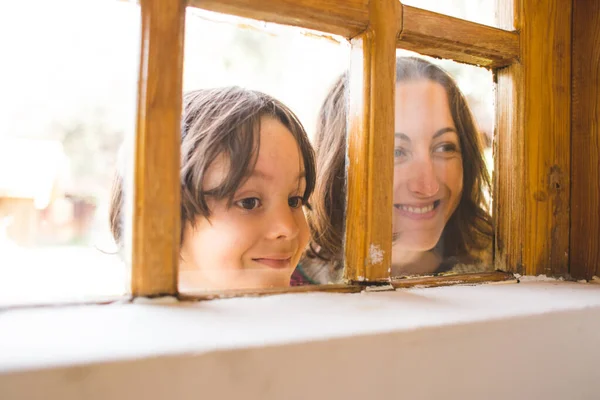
(156, 197)
(370, 168)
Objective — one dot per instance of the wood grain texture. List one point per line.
(533, 148)
(442, 36)
(509, 192)
(463, 279)
(426, 281)
(156, 226)
(585, 141)
(205, 295)
(509, 188)
(341, 17)
(368, 243)
(424, 31)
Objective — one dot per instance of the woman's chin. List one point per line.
(417, 239)
(415, 244)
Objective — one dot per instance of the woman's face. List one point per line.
(257, 241)
(428, 171)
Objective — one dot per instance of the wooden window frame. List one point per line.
(532, 178)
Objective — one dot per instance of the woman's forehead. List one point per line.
(421, 108)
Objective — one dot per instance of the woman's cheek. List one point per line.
(458, 176)
(450, 173)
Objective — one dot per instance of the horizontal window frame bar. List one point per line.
(442, 36)
(460, 40)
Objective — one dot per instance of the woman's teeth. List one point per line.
(417, 210)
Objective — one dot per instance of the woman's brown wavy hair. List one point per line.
(468, 231)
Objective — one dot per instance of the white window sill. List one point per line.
(330, 343)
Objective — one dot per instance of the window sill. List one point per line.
(153, 347)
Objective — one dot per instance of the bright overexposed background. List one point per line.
(480, 11)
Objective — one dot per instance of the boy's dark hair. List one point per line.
(222, 121)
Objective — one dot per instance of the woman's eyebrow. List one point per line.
(404, 136)
(444, 130)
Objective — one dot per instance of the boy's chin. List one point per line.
(250, 279)
(258, 279)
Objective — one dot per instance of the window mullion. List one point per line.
(156, 199)
(346, 18)
(368, 243)
(438, 35)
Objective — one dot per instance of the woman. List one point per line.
(439, 219)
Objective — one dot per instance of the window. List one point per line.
(532, 134)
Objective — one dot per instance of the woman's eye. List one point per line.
(398, 153)
(295, 202)
(249, 203)
(447, 148)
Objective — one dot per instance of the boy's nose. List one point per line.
(283, 224)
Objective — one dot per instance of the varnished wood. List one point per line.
(533, 143)
(427, 281)
(156, 223)
(368, 243)
(424, 31)
(206, 295)
(509, 191)
(585, 142)
(546, 46)
(341, 17)
(442, 36)
(463, 279)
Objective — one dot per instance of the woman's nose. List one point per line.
(423, 180)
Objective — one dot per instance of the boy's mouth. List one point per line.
(275, 262)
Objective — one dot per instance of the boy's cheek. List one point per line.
(304, 235)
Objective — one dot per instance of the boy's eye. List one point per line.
(295, 202)
(249, 203)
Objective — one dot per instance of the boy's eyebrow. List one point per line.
(263, 175)
(404, 136)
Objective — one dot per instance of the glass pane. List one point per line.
(480, 11)
(251, 233)
(67, 100)
(442, 162)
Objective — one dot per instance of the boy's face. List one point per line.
(257, 242)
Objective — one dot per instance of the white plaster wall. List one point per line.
(548, 350)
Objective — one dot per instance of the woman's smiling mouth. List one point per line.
(420, 211)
